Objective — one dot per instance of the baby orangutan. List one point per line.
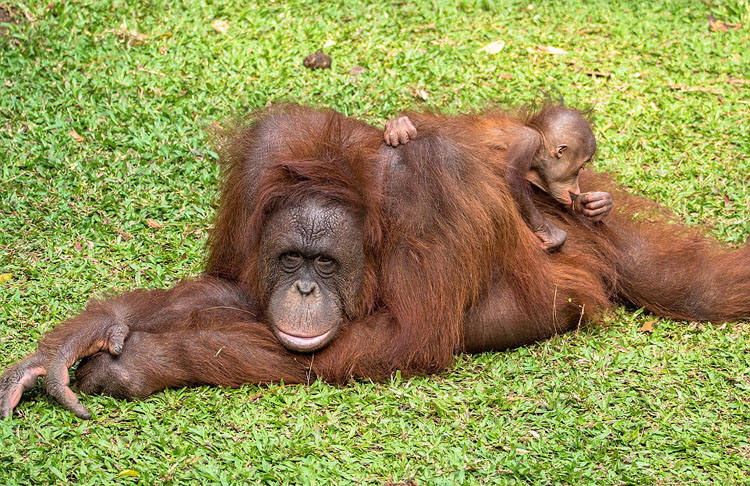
(548, 150)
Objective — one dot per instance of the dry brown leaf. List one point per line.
(8, 15)
(149, 71)
(356, 70)
(693, 89)
(532, 435)
(493, 47)
(76, 136)
(551, 50)
(136, 38)
(738, 81)
(77, 246)
(123, 234)
(418, 28)
(220, 26)
(421, 94)
(131, 37)
(716, 25)
(647, 327)
(505, 76)
(152, 223)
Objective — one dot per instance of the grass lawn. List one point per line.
(108, 182)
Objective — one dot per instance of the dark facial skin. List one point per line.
(568, 143)
(311, 271)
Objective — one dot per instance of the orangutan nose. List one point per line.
(305, 287)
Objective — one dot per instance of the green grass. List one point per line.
(142, 81)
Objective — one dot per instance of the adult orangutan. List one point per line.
(335, 257)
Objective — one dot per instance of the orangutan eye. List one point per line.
(325, 265)
(291, 261)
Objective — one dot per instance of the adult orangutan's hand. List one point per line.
(59, 350)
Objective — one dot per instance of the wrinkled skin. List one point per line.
(594, 205)
(310, 271)
(551, 236)
(399, 131)
(53, 365)
(568, 145)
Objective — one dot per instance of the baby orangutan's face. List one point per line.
(560, 161)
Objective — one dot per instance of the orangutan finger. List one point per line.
(403, 137)
(393, 138)
(387, 134)
(410, 129)
(596, 204)
(17, 380)
(13, 395)
(588, 197)
(596, 212)
(57, 387)
(116, 339)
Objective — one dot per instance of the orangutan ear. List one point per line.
(560, 149)
(534, 177)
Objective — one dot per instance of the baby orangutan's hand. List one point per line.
(593, 205)
(399, 131)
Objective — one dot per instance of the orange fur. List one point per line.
(450, 264)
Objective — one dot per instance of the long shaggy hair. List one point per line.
(441, 229)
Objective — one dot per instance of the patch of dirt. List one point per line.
(7, 16)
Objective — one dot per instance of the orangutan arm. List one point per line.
(105, 327)
(223, 354)
(218, 345)
(232, 354)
